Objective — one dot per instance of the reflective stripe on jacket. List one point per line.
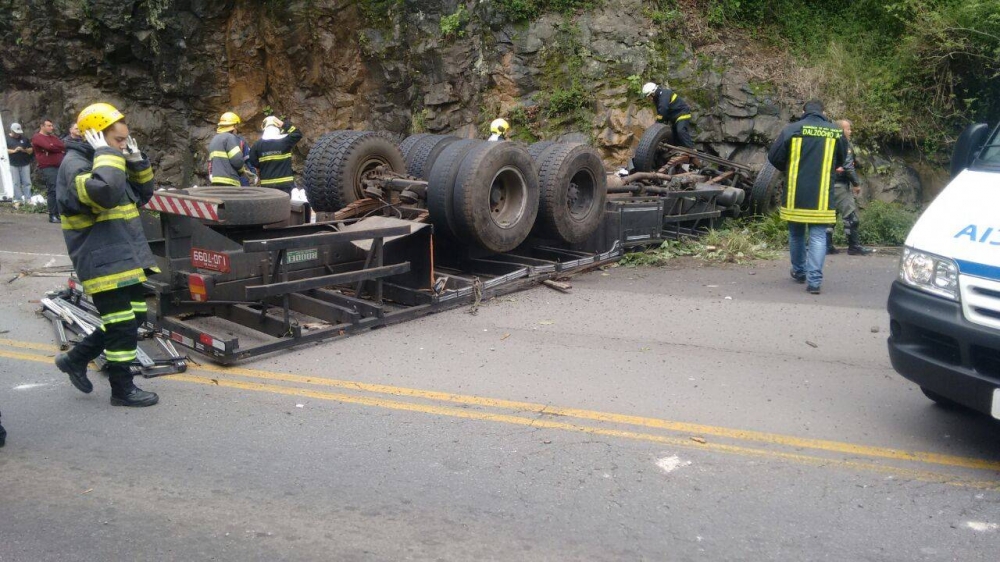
(99, 196)
(809, 151)
(225, 159)
(670, 107)
(273, 159)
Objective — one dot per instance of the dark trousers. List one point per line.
(49, 175)
(122, 310)
(682, 133)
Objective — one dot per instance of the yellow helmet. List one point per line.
(499, 126)
(98, 116)
(228, 122)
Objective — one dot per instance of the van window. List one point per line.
(990, 156)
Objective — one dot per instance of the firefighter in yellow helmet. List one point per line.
(227, 152)
(499, 129)
(102, 182)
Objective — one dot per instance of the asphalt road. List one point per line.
(676, 413)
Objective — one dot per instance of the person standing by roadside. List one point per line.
(846, 187)
(19, 152)
(808, 151)
(49, 153)
(102, 183)
(73, 134)
(272, 154)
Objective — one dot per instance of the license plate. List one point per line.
(207, 259)
(995, 410)
(299, 256)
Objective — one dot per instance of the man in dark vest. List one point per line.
(809, 151)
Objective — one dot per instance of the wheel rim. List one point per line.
(508, 197)
(366, 169)
(580, 195)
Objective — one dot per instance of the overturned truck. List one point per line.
(400, 231)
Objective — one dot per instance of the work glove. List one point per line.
(95, 138)
(251, 177)
(132, 153)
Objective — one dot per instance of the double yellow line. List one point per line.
(551, 417)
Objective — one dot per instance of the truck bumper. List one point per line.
(932, 344)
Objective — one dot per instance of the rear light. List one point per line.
(197, 287)
(206, 339)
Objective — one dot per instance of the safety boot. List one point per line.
(854, 247)
(77, 373)
(125, 393)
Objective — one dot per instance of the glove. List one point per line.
(132, 153)
(252, 177)
(95, 138)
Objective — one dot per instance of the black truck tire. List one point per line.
(243, 206)
(536, 149)
(407, 145)
(496, 196)
(441, 185)
(647, 158)
(346, 160)
(317, 168)
(573, 190)
(423, 154)
(762, 194)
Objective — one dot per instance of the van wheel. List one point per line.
(946, 403)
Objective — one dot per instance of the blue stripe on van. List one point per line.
(979, 269)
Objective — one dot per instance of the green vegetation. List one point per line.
(755, 238)
(377, 13)
(565, 103)
(662, 12)
(454, 25)
(526, 10)
(908, 70)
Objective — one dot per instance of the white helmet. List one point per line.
(648, 89)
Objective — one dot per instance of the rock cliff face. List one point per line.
(403, 65)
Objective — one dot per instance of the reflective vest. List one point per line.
(99, 196)
(225, 159)
(809, 151)
(273, 159)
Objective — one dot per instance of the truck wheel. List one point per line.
(423, 154)
(536, 149)
(573, 190)
(242, 206)
(407, 145)
(496, 196)
(317, 167)
(764, 198)
(647, 155)
(946, 403)
(441, 185)
(347, 160)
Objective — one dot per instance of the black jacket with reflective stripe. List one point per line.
(809, 151)
(99, 196)
(670, 106)
(273, 159)
(225, 159)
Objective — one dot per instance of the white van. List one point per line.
(944, 307)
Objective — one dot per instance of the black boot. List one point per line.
(830, 248)
(77, 373)
(125, 393)
(3, 436)
(854, 247)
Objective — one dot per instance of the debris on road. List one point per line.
(699, 440)
(811, 344)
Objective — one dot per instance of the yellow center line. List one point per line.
(624, 419)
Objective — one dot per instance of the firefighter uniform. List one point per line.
(225, 159)
(99, 194)
(670, 108)
(809, 151)
(273, 158)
